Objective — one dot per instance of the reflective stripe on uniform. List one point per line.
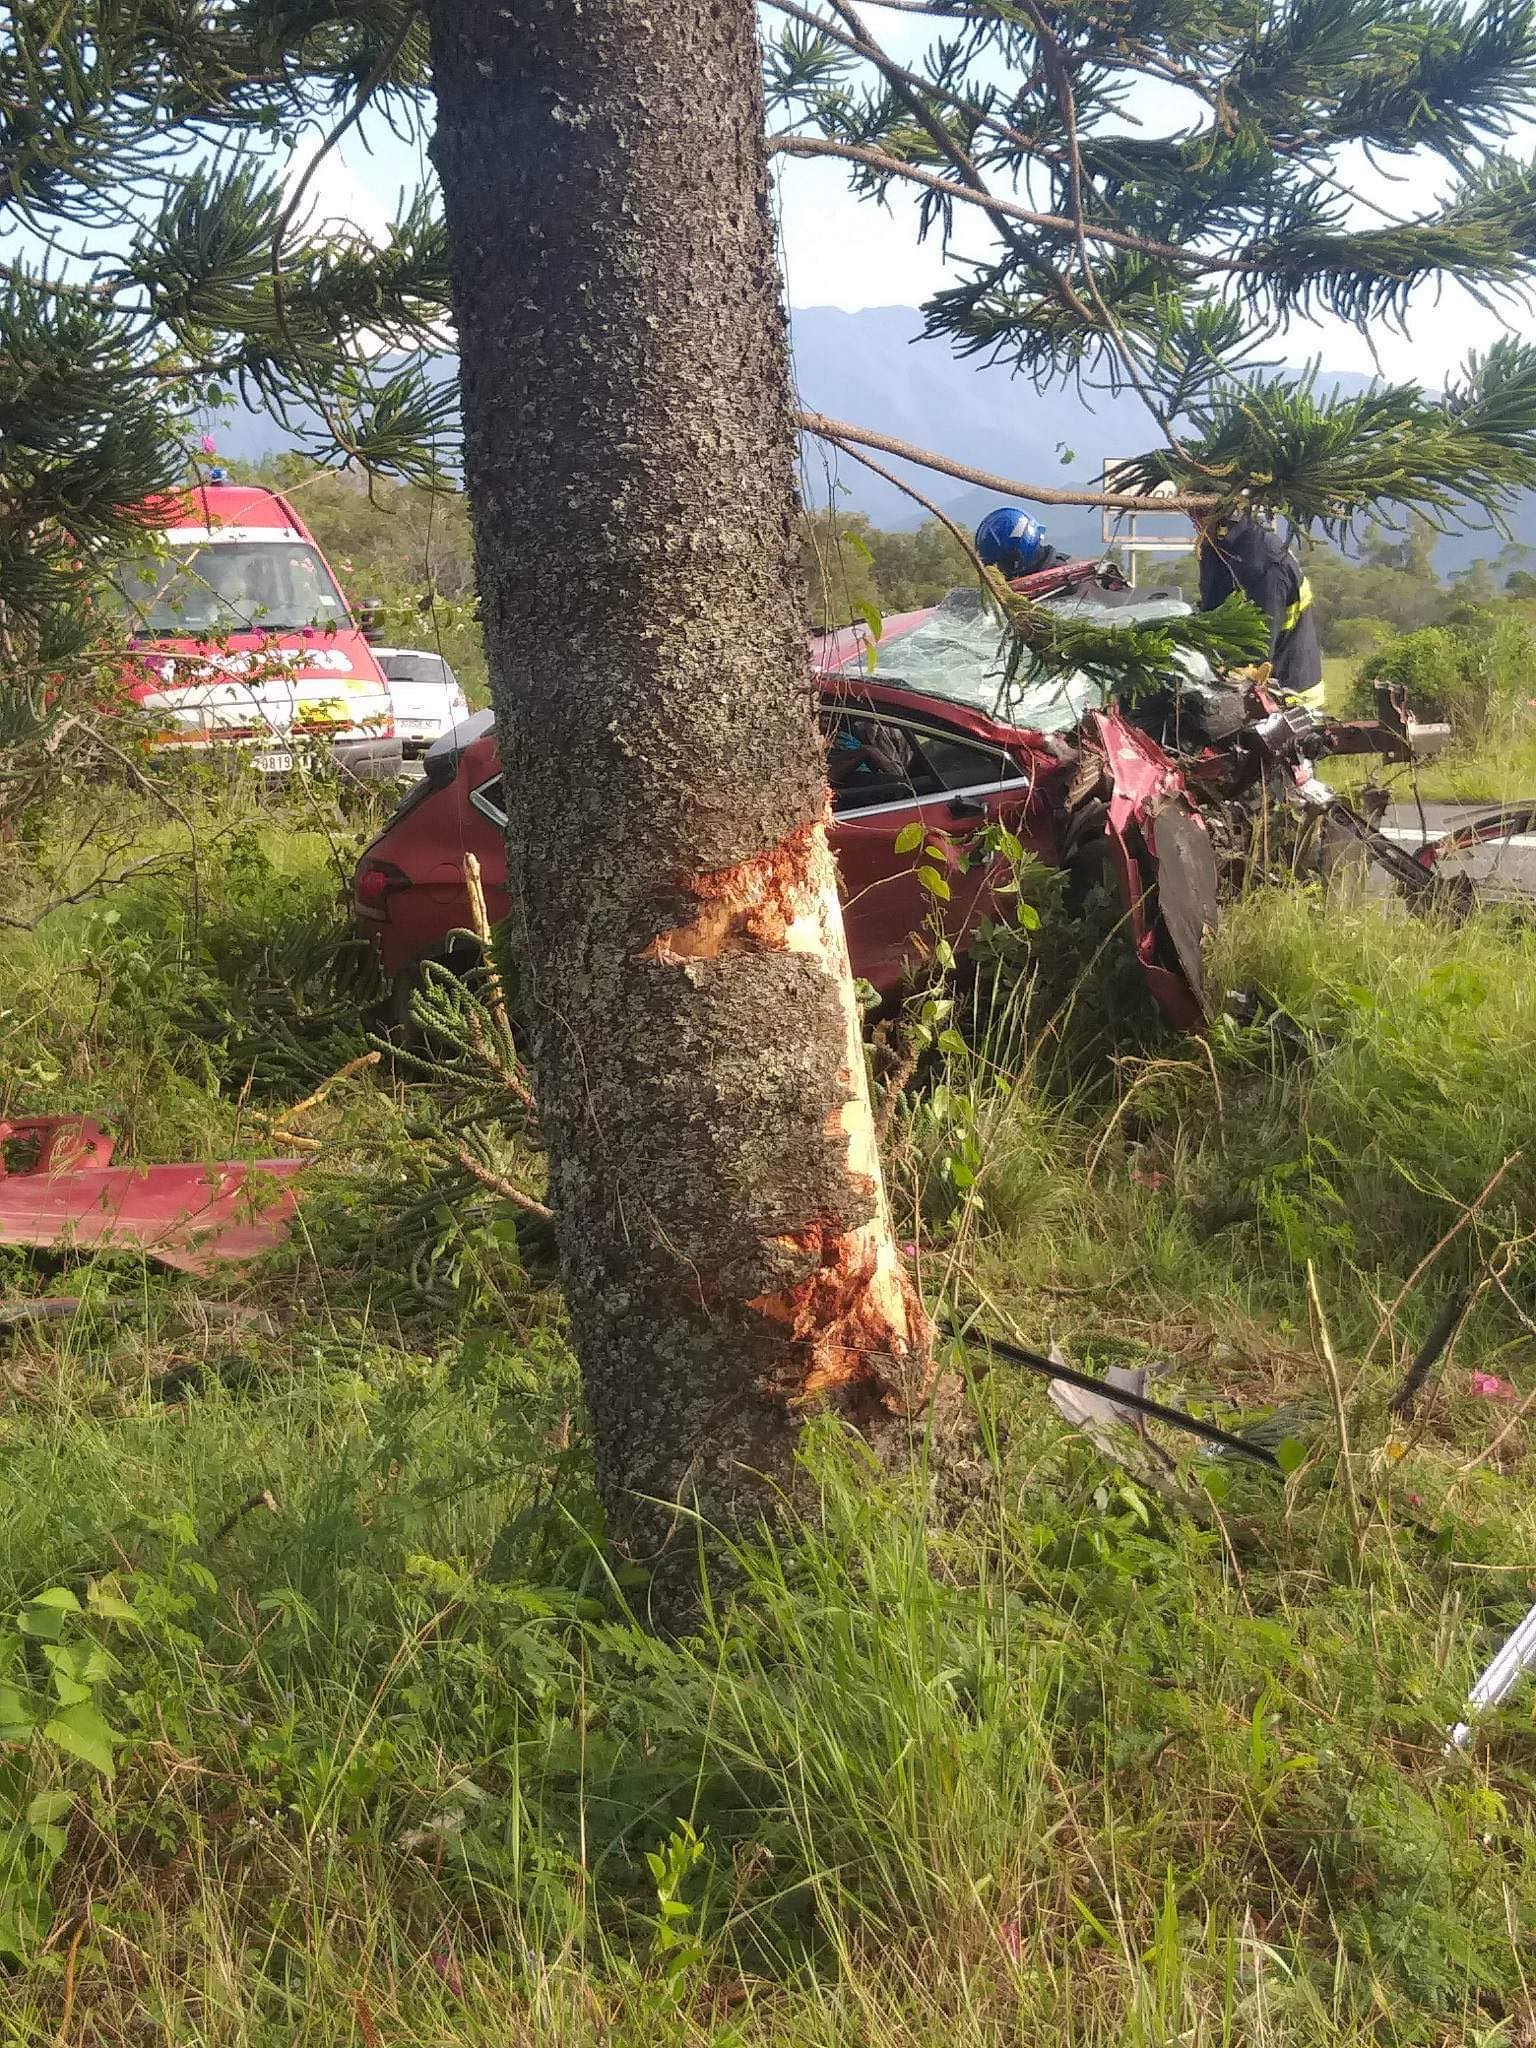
(1293, 611)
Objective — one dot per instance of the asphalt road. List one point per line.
(1508, 866)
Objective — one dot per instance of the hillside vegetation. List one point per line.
(369, 1740)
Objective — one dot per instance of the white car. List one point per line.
(425, 694)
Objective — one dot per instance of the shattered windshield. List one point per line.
(231, 587)
(961, 654)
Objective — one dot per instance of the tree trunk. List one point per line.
(725, 1241)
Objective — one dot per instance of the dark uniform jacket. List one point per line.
(1251, 558)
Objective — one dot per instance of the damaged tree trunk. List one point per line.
(724, 1236)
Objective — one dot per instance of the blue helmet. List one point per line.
(1010, 540)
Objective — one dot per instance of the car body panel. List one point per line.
(61, 1190)
(889, 914)
(1147, 793)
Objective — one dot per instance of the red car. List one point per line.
(918, 741)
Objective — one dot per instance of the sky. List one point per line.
(840, 251)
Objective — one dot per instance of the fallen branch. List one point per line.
(504, 1059)
(264, 1499)
(1441, 1331)
(1389, 1314)
(367, 1059)
(1006, 486)
(500, 1185)
(1123, 1397)
(151, 864)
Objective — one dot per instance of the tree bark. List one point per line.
(725, 1240)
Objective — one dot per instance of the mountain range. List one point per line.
(872, 369)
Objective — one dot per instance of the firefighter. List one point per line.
(1239, 552)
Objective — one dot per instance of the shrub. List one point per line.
(1472, 673)
(1354, 637)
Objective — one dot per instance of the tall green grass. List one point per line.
(1028, 1750)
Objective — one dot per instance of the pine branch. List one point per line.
(1010, 487)
(887, 166)
(1328, 460)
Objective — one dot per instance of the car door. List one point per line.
(918, 775)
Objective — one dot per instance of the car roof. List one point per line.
(229, 512)
(440, 761)
(893, 696)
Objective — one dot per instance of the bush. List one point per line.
(1358, 636)
(1472, 673)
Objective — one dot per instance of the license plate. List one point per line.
(272, 764)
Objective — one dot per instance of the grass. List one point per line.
(1062, 1756)
(1338, 673)
(1492, 767)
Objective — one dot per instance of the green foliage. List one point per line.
(1128, 658)
(148, 274)
(837, 567)
(1475, 673)
(1031, 1760)
(1393, 578)
(1164, 260)
(56, 1676)
(1357, 636)
(677, 1944)
(848, 563)
(154, 269)
(1325, 459)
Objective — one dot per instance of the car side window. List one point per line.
(968, 764)
(490, 800)
(870, 762)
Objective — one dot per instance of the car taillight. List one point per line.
(375, 882)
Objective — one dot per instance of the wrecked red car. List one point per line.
(936, 736)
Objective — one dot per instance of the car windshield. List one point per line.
(231, 587)
(961, 653)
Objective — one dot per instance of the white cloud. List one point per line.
(340, 199)
(840, 251)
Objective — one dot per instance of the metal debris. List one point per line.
(1498, 1681)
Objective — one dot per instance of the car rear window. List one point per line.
(416, 668)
